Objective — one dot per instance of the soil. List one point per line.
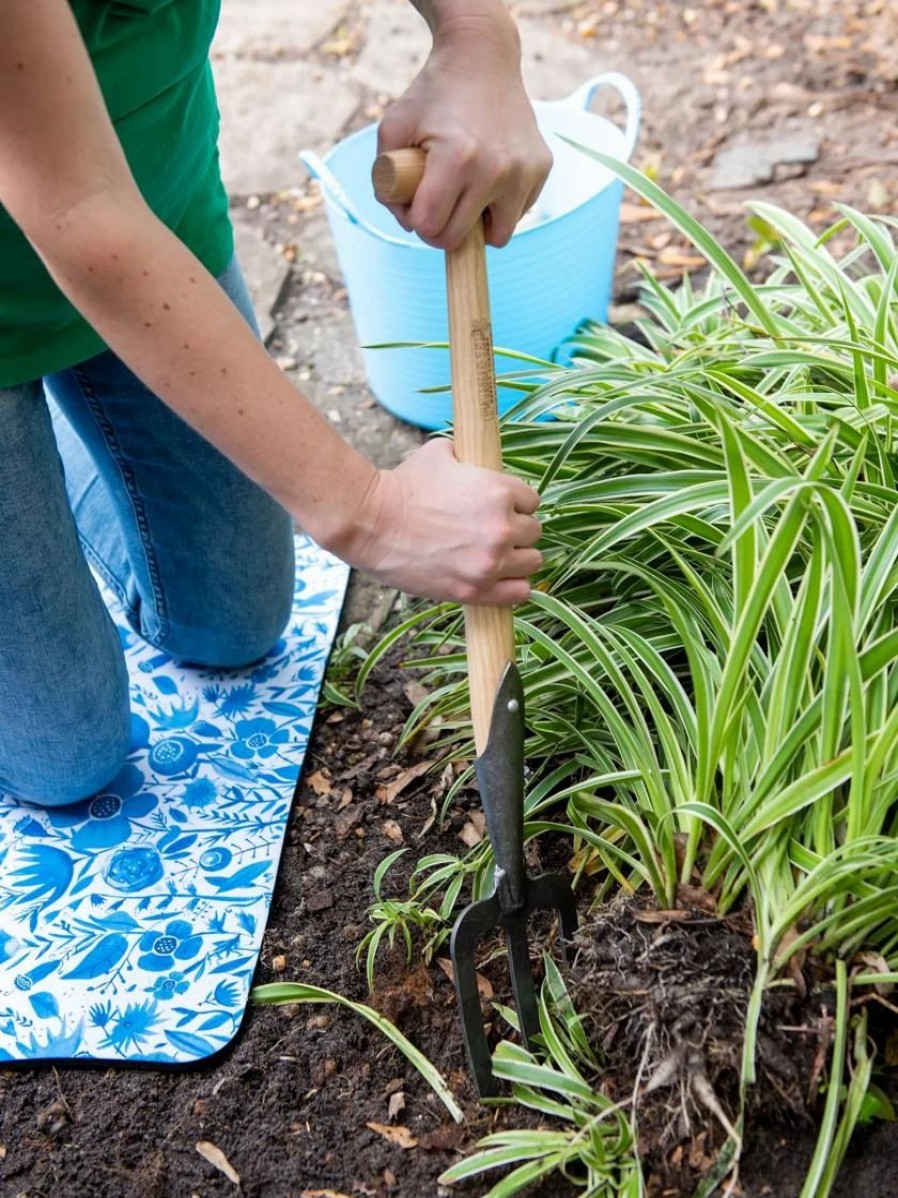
(290, 1105)
(663, 996)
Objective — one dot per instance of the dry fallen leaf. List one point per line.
(400, 1136)
(346, 821)
(396, 1104)
(214, 1155)
(634, 214)
(484, 986)
(672, 256)
(696, 896)
(877, 195)
(876, 963)
(416, 692)
(431, 819)
(345, 799)
(319, 782)
(825, 187)
(341, 43)
(392, 831)
(474, 829)
(443, 1138)
(673, 916)
(392, 790)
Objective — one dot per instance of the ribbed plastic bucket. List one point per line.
(551, 275)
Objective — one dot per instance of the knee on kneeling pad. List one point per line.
(66, 787)
(223, 648)
(71, 779)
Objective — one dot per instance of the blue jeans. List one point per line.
(96, 471)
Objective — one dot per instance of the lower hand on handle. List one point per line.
(448, 531)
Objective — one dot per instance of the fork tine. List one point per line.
(549, 892)
(553, 892)
(471, 925)
(522, 975)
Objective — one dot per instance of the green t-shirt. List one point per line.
(152, 60)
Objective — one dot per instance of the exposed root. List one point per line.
(664, 1004)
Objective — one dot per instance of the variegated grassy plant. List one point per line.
(711, 651)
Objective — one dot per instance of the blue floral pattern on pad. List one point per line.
(130, 924)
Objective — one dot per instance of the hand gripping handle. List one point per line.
(489, 631)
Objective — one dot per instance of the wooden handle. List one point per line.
(489, 631)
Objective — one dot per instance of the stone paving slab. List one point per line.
(316, 245)
(396, 44)
(751, 163)
(271, 28)
(265, 271)
(332, 349)
(554, 66)
(269, 112)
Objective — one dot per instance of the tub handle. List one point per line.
(629, 93)
(318, 169)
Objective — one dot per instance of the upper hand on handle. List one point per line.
(485, 157)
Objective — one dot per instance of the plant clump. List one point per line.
(710, 661)
(663, 998)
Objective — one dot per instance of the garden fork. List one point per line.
(497, 696)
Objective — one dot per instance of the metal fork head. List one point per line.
(500, 776)
(549, 891)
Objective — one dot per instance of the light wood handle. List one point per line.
(396, 175)
(489, 631)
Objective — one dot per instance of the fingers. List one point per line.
(461, 184)
(526, 531)
(438, 195)
(442, 214)
(521, 563)
(401, 213)
(500, 222)
(524, 497)
(508, 592)
(457, 531)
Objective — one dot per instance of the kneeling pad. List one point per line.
(131, 923)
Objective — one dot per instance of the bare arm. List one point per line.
(65, 181)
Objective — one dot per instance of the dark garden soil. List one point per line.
(292, 1106)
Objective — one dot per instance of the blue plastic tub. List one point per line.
(553, 273)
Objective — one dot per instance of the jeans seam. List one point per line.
(107, 430)
(97, 563)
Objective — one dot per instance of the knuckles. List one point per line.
(519, 592)
(467, 592)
